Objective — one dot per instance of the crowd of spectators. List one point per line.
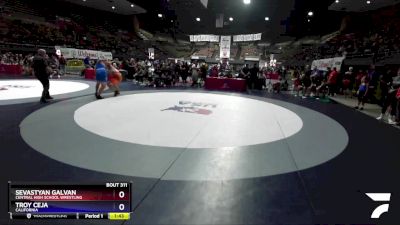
(9, 58)
(368, 86)
(69, 34)
(382, 41)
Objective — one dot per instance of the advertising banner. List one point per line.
(323, 64)
(247, 37)
(204, 38)
(225, 47)
(72, 53)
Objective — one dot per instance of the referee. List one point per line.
(39, 66)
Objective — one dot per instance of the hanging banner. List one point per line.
(72, 53)
(323, 64)
(247, 37)
(225, 47)
(257, 37)
(204, 38)
(151, 53)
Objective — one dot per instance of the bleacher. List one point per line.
(208, 50)
(250, 50)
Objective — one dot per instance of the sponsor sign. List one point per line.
(323, 64)
(247, 37)
(73, 53)
(204, 38)
(225, 47)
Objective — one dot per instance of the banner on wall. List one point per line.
(225, 47)
(247, 37)
(73, 53)
(323, 64)
(204, 38)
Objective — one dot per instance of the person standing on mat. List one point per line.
(39, 67)
(114, 78)
(101, 79)
(254, 76)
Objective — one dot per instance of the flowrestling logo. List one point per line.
(7, 87)
(193, 107)
(381, 209)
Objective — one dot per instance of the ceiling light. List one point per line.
(308, 20)
(132, 5)
(311, 13)
(198, 19)
(267, 18)
(246, 2)
(230, 19)
(113, 7)
(368, 2)
(84, 0)
(337, 1)
(160, 15)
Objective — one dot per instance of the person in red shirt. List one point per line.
(332, 82)
(114, 78)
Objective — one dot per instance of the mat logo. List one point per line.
(193, 107)
(379, 197)
(6, 87)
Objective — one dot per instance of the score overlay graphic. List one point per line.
(109, 200)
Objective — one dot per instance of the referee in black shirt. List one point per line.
(39, 66)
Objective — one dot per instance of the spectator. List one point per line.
(332, 82)
(63, 64)
(86, 62)
(358, 78)
(54, 65)
(244, 73)
(348, 82)
(195, 76)
(362, 92)
(306, 81)
(254, 75)
(373, 77)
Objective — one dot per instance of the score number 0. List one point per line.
(121, 194)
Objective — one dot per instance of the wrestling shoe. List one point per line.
(391, 121)
(43, 100)
(116, 93)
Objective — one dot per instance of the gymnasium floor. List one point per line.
(201, 157)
